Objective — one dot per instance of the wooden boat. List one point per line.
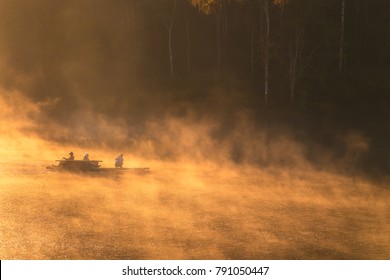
(91, 166)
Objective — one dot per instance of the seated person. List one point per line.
(71, 157)
(119, 161)
(86, 156)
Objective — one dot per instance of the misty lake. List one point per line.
(184, 211)
(263, 124)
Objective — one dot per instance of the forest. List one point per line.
(317, 69)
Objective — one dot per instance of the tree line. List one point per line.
(280, 45)
(326, 62)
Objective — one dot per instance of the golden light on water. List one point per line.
(263, 127)
(186, 211)
(183, 209)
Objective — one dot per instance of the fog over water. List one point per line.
(184, 209)
(191, 211)
(227, 181)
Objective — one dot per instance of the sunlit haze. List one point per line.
(245, 159)
(184, 209)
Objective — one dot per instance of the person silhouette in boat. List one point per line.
(119, 161)
(86, 156)
(71, 157)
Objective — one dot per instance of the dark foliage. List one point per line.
(113, 55)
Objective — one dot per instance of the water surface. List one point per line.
(191, 212)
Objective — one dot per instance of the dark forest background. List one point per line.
(318, 69)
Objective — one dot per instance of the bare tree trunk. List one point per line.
(169, 29)
(252, 53)
(342, 27)
(222, 33)
(219, 43)
(188, 47)
(266, 51)
(170, 50)
(292, 71)
(294, 52)
(134, 38)
(225, 30)
(296, 64)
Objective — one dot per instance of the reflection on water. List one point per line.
(191, 213)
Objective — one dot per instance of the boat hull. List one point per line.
(92, 166)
